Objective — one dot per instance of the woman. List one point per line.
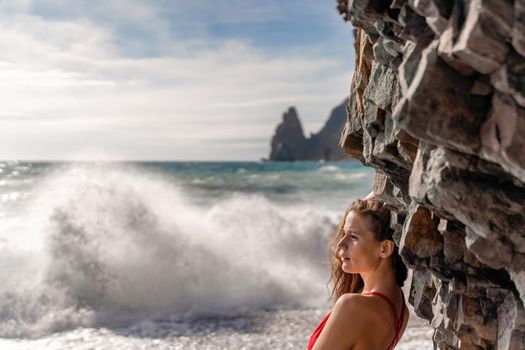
(369, 312)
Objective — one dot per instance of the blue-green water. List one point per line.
(326, 184)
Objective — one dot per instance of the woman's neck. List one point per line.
(381, 279)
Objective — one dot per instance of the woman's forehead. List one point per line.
(357, 222)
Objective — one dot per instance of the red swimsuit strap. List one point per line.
(401, 318)
(398, 322)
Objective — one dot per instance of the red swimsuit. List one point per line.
(398, 322)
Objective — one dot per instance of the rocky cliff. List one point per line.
(437, 107)
(289, 142)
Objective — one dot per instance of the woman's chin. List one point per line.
(347, 268)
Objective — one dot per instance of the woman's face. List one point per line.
(358, 249)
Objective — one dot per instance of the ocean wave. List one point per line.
(354, 176)
(102, 241)
(11, 196)
(329, 169)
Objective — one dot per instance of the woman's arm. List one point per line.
(344, 325)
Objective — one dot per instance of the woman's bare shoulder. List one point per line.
(355, 306)
(348, 321)
(362, 309)
(345, 324)
(354, 302)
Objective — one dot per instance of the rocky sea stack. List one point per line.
(289, 142)
(437, 107)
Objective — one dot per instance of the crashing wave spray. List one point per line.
(101, 241)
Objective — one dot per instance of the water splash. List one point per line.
(100, 241)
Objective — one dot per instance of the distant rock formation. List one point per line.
(437, 106)
(289, 142)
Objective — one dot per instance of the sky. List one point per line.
(165, 79)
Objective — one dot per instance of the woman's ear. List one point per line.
(387, 248)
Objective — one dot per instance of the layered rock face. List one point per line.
(437, 107)
(289, 142)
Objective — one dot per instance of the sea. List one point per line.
(172, 255)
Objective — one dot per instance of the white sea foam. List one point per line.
(329, 168)
(353, 176)
(101, 242)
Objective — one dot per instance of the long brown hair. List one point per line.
(352, 282)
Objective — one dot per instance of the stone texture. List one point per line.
(420, 234)
(437, 107)
(511, 318)
(482, 33)
(502, 135)
(510, 78)
(435, 12)
(518, 28)
(447, 116)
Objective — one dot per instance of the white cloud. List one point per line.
(66, 87)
